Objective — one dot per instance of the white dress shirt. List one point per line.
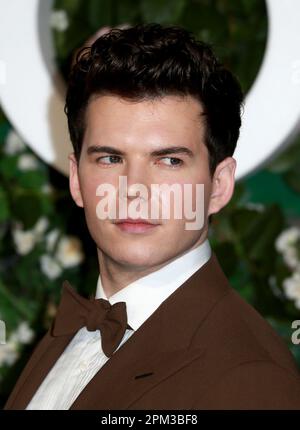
(83, 357)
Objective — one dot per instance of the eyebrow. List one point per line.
(163, 151)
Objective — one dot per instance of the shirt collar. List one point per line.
(145, 295)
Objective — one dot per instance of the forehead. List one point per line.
(170, 114)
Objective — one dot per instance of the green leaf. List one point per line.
(99, 13)
(127, 11)
(292, 177)
(73, 38)
(168, 11)
(26, 208)
(31, 178)
(227, 254)
(4, 206)
(8, 166)
(257, 232)
(70, 6)
(17, 304)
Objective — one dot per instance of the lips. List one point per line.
(134, 221)
(136, 226)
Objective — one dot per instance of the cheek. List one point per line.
(88, 187)
(100, 204)
(189, 196)
(198, 182)
(90, 179)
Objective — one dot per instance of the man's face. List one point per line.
(136, 130)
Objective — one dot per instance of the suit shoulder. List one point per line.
(236, 333)
(253, 385)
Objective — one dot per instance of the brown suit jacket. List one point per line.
(203, 348)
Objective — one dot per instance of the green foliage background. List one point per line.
(265, 203)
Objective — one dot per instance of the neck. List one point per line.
(115, 276)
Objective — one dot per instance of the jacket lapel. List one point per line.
(162, 345)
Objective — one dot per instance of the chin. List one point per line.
(135, 256)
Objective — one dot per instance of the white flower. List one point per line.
(51, 239)
(24, 241)
(47, 189)
(291, 288)
(2, 331)
(28, 162)
(69, 251)
(59, 20)
(8, 353)
(274, 287)
(291, 258)
(287, 239)
(50, 267)
(13, 143)
(23, 334)
(287, 243)
(41, 226)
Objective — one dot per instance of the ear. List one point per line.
(74, 180)
(222, 185)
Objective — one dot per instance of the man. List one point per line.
(165, 330)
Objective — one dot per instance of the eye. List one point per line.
(108, 159)
(172, 161)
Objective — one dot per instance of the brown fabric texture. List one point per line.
(203, 348)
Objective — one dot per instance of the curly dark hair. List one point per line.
(149, 61)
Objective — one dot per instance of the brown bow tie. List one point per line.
(75, 312)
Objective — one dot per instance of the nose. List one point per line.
(138, 181)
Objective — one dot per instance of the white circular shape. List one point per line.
(272, 108)
(32, 94)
